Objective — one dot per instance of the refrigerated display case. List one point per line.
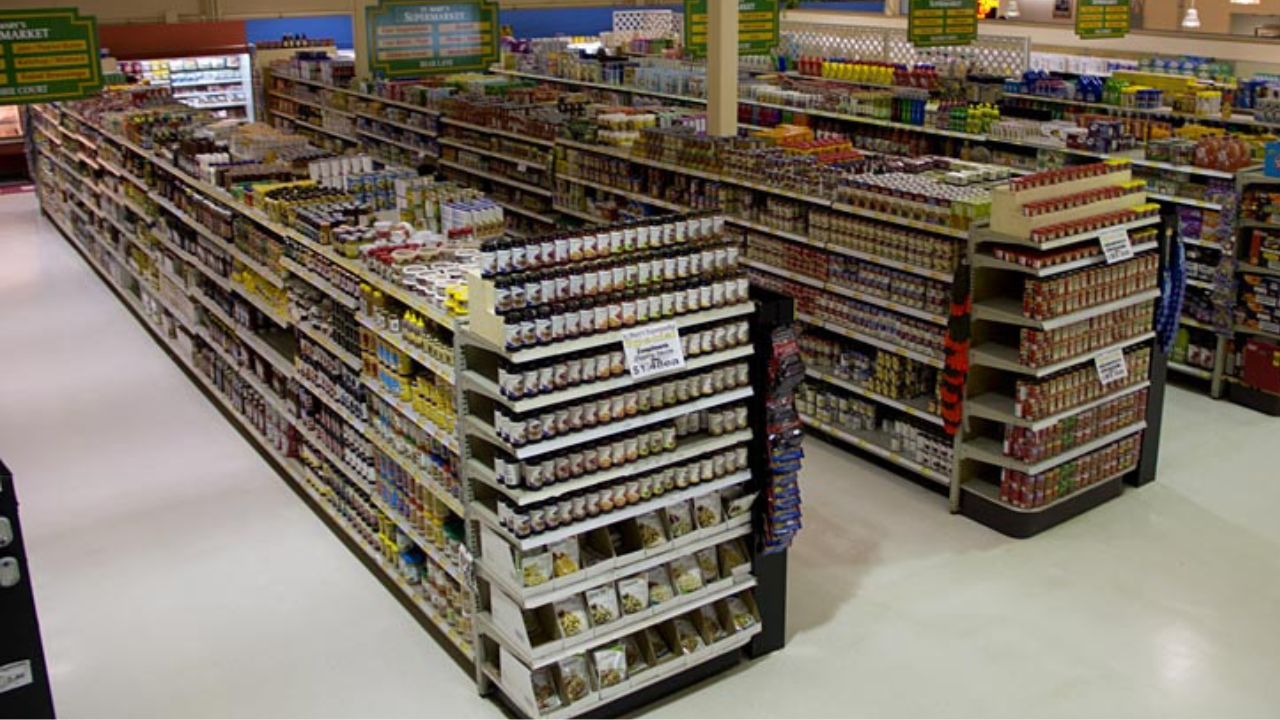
(219, 83)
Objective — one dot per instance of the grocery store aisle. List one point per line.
(177, 575)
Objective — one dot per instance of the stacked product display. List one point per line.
(1251, 351)
(1063, 322)
(321, 300)
(612, 492)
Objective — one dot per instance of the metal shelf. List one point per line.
(318, 282)
(638, 197)
(394, 123)
(277, 316)
(982, 260)
(496, 131)
(543, 164)
(341, 410)
(918, 408)
(587, 578)
(1007, 357)
(690, 448)
(480, 429)
(438, 367)
(987, 235)
(564, 532)
(855, 334)
(483, 385)
(1009, 311)
(447, 439)
(1257, 270)
(1195, 372)
(874, 443)
(1000, 408)
(990, 451)
(333, 348)
(565, 347)
(1185, 201)
(626, 625)
(442, 493)
(496, 178)
(392, 141)
(895, 220)
(837, 289)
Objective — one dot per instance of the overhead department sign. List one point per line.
(48, 56)
(410, 37)
(758, 29)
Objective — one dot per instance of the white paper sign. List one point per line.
(16, 675)
(1111, 366)
(652, 349)
(1116, 245)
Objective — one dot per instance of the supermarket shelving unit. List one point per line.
(143, 224)
(1256, 269)
(131, 238)
(1040, 422)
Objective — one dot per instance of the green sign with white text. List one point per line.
(409, 38)
(757, 26)
(936, 23)
(48, 56)
(1102, 19)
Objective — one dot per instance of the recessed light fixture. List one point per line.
(1191, 20)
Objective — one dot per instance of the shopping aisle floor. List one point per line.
(177, 575)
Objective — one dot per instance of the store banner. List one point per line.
(937, 23)
(758, 27)
(1097, 19)
(408, 38)
(48, 55)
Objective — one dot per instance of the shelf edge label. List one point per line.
(1116, 245)
(1111, 366)
(653, 349)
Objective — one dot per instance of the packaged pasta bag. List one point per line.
(634, 592)
(708, 564)
(679, 520)
(732, 556)
(659, 586)
(649, 526)
(688, 637)
(571, 616)
(636, 663)
(611, 665)
(661, 651)
(544, 691)
(602, 604)
(711, 621)
(566, 557)
(685, 575)
(741, 613)
(573, 675)
(706, 509)
(536, 569)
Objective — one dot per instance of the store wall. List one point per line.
(107, 11)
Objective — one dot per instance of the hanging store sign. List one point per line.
(48, 56)
(937, 23)
(1102, 19)
(758, 29)
(409, 38)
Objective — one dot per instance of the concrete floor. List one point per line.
(177, 575)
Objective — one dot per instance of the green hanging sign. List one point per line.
(758, 29)
(1102, 19)
(936, 23)
(409, 38)
(48, 56)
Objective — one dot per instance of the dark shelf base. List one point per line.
(1263, 402)
(1021, 524)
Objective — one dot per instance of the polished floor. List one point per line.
(177, 575)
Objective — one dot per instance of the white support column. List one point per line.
(722, 67)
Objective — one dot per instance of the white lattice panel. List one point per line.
(649, 24)
(989, 54)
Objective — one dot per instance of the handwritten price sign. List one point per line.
(652, 349)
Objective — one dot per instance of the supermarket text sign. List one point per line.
(1102, 19)
(757, 26)
(936, 23)
(48, 56)
(411, 38)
